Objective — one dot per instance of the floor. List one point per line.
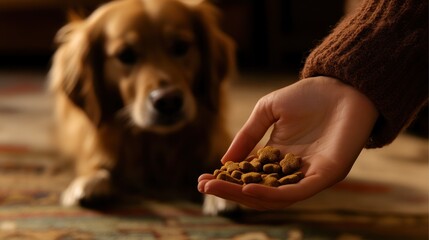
(384, 197)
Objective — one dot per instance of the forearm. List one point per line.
(381, 50)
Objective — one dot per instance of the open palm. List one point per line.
(322, 120)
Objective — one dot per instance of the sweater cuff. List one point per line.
(381, 50)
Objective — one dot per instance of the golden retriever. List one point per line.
(139, 97)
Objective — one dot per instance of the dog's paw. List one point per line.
(87, 190)
(214, 206)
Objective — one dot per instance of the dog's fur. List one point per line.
(139, 97)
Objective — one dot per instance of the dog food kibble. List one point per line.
(290, 163)
(268, 154)
(251, 177)
(225, 176)
(257, 165)
(268, 167)
(271, 168)
(293, 178)
(270, 181)
(236, 174)
(232, 167)
(247, 167)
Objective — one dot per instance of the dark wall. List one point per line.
(28, 30)
(278, 34)
(270, 34)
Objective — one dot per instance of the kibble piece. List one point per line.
(251, 177)
(268, 154)
(290, 179)
(257, 165)
(216, 172)
(228, 163)
(232, 167)
(270, 181)
(276, 175)
(290, 163)
(300, 174)
(226, 177)
(271, 168)
(247, 167)
(236, 174)
(251, 157)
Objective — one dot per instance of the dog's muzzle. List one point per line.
(167, 102)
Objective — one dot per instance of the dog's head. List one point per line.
(156, 61)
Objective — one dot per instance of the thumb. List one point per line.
(252, 131)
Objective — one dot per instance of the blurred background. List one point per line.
(271, 36)
(274, 35)
(384, 197)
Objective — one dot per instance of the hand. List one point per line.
(322, 120)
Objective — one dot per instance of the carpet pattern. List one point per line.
(385, 196)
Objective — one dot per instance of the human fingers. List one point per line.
(233, 192)
(202, 180)
(260, 199)
(291, 193)
(205, 176)
(252, 131)
(223, 190)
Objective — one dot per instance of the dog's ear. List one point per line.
(72, 72)
(77, 68)
(218, 54)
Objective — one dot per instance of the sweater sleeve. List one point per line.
(381, 50)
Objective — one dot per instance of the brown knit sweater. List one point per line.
(381, 50)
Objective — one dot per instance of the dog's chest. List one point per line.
(163, 161)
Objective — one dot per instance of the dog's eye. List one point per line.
(179, 48)
(127, 56)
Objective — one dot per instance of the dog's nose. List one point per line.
(167, 101)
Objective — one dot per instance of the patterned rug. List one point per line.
(384, 197)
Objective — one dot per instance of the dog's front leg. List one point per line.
(214, 206)
(89, 189)
(95, 161)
